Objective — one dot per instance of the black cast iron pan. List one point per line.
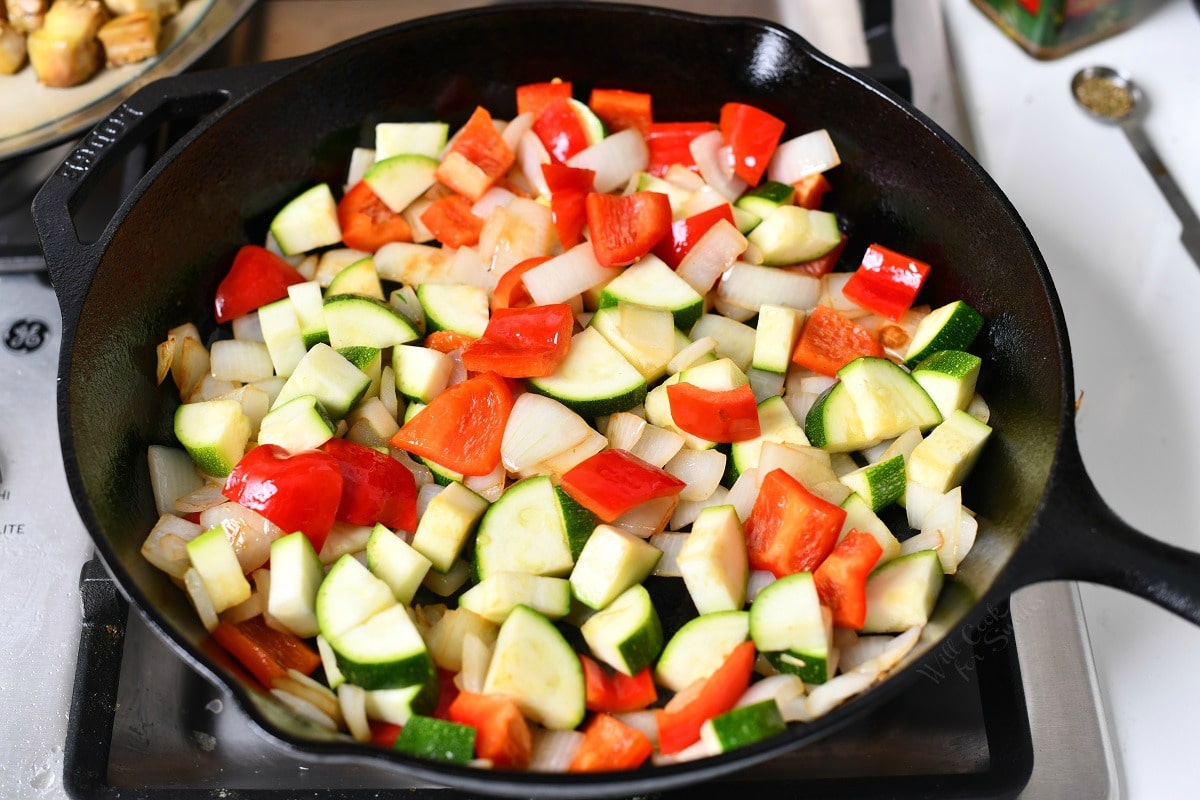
(263, 133)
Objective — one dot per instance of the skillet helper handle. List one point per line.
(193, 98)
(1082, 538)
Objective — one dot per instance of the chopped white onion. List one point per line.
(731, 310)
(716, 166)
(492, 199)
(809, 465)
(249, 533)
(476, 656)
(615, 159)
(305, 709)
(458, 372)
(361, 160)
(250, 608)
(564, 276)
(405, 301)
(162, 546)
(946, 518)
(803, 156)
(190, 366)
(647, 519)
(902, 445)
(831, 295)
(927, 540)
(978, 409)
(312, 690)
(332, 262)
(752, 287)
(554, 750)
(623, 430)
(694, 752)
(172, 475)
(687, 510)
(657, 445)
(353, 701)
(743, 493)
(516, 129)
(918, 500)
(210, 388)
(538, 429)
(832, 491)
(247, 328)
(701, 470)
(711, 256)
(864, 650)
(670, 544)
(489, 486)
(842, 464)
(703, 199)
(967, 531)
(684, 177)
(422, 475)
(765, 384)
(519, 231)
(344, 539)
(425, 496)
(691, 354)
(759, 579)
(645, 721)
(782, 688)
(207, 496)
(373, 412)
(564, 462)
(531, 155)
(833, 693)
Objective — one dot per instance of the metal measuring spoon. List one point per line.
(1113, 98)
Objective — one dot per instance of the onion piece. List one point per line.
(332, 262)
(615, 159)
(344, 539)
(564, 276)
(803, 156)
(207, 496)
(305, 709)
(978, 408)
(489, 486)
(242, 361)
(190, 367)
(317, 693)
(405, 301)
(711, 256)
(683, 177)
(670, 544)
(648, 518)
(946, 518)
(564, 462)
(701, 749)
(967, 531)
(732, 311)
(752, 287)
(918, 500)
(162, 545)
(449, 583)
(782, 688)
(701, 470)
(172, 475)
(691, 354)
(250, 608)
(832, 296)
(531, 155)
(425, 496)
(493, 198)
(476, 656)
(353, 703)
(702, 199)
(928, 540)
(387, 392)
(523, 229)
(765, 384)
(716, 166)
(247, 328)
(645, 721)
(538, 429)
(516, 129)
(759, 579)
(249, 533)
(834, 692)
(623, 430)
(809, 465)
(553, 751)
(657, 445)
(744, 492)
(687, 510)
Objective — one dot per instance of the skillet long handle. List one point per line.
(1081, 538)
(193, 98)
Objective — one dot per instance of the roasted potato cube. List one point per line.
(65, 51)
(130, 37)
(12, 49)
(165, 8)
(26, 16)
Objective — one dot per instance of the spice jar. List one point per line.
(1051, 28)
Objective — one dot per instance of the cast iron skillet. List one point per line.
(262, 134)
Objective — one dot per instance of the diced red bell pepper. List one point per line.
(256, 278)
(718, 416)
(367, 223)
(532, 98)
(820, 266)
(384, 733)
(626, 228)
(522, 342)
(842, 578)
(612, 691)
(752, 134)
(810, 190)
(452, 222)
(829, 341)
(619, 109)
(668, 144)
(510, 291)
(462, 427)
(613, 481)
(501, 732)
(569, 188)
(375, 487)
(297, 493)
(610, 745)
(447, 692)
(267, 653)
(790, 529)
(679, 722)
(561, 131)
(886, 282)
(477, 159)
(686, 232)
(448, 341)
